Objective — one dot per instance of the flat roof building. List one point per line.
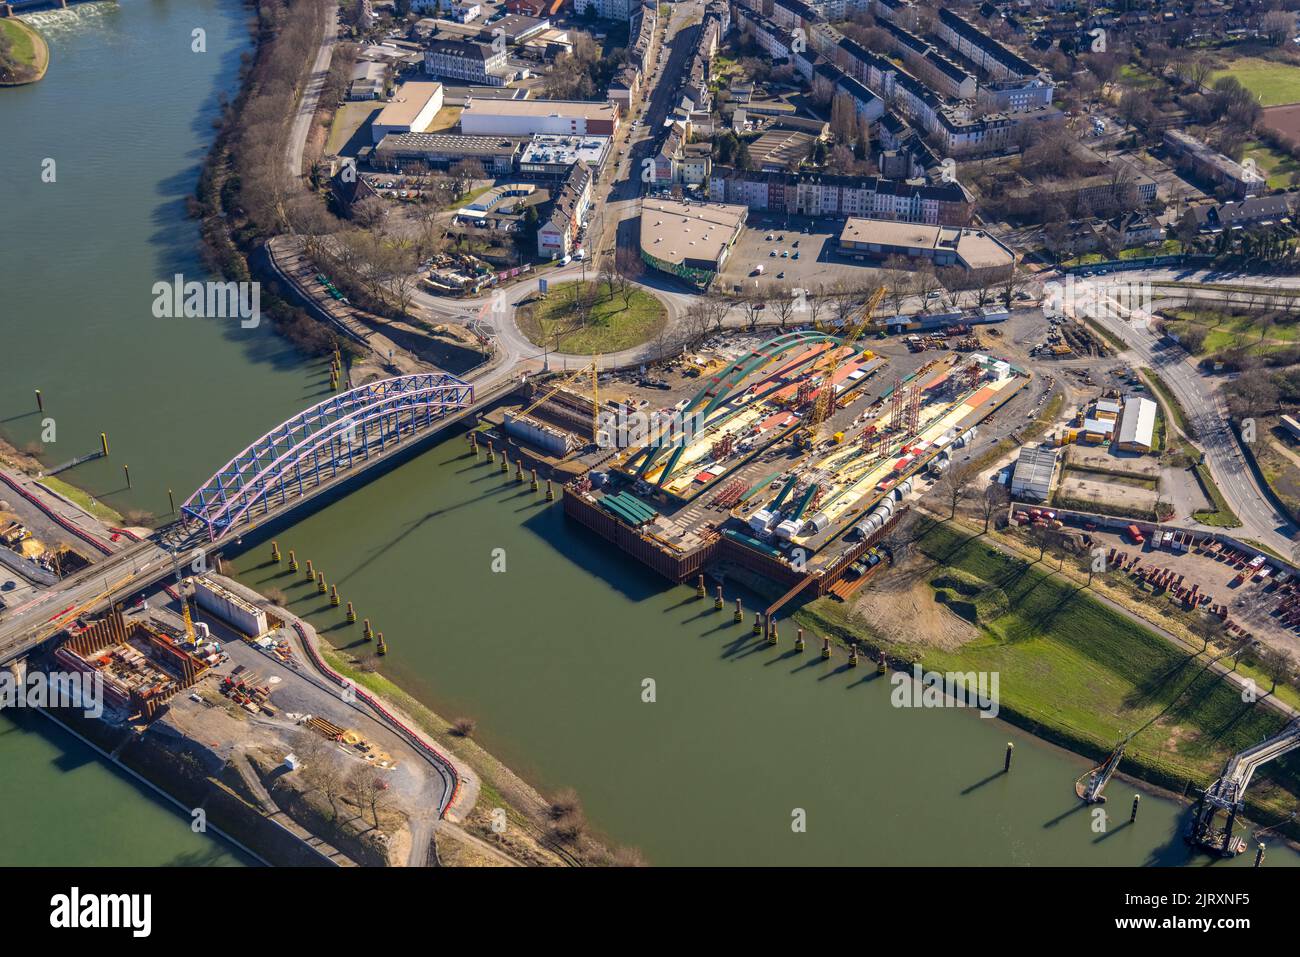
(550, 156)
(689, 240)
(442, 150)
(527, 117)
(411, 110)
(973, 250)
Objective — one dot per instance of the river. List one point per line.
(550, 656)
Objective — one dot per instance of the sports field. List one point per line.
(1274, 83)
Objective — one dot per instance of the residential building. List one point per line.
(825, 194)
(558, 235)
(998, 62)
(1256, 211)
(1206, 163)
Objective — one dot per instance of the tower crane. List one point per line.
(853, 327)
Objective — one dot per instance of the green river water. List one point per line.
(548, 656)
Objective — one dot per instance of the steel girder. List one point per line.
(320, 442)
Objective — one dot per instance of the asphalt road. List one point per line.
(1208, 416)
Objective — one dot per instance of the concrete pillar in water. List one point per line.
(40, 403)
(550, 492)
(320, 583)
(380, 648)
(1259, 854)
(293, 561)
(771, 632)
(519, 470)
(352, 614)
(700, 590)
(505, 462)
(309, 572)
(758, 623)
(366, 633)
(275, 552)
(1133, 814)
(853, 656)
(881, 665)
(798, 640)
(826, 647)
(533, 484)
(491, 454)
(1006, 762)
(334, 596)
(103, 443)
(717, 602)
(740, 613)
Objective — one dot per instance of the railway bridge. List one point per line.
(293, 465)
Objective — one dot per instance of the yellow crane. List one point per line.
(853, 327)
(591, 369)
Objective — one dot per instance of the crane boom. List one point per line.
(853, 328)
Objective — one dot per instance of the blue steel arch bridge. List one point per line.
(329, 439)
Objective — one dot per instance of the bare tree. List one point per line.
(368, 790)
(995, 499)
(955, 486)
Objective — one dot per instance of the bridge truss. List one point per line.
(320, 443)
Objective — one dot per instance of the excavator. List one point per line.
(824, 402)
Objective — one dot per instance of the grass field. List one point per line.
(1277, 167)
(612, 325)
(1274, 83)
(1229, 330)
(94, 507)
(1221, 516)
(1069, 663)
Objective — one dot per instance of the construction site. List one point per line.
(792, 459)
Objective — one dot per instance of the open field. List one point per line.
(1231, 330)
(1080, 670)
(1277, 167)
(1283, 120)
(350, 129)
(1276, 84)
(612, 324)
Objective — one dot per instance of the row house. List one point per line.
(825, 194)
(559, 234)
(981, 49)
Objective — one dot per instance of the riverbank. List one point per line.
(1073, 670)
(29, 51)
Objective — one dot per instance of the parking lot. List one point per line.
(818, 265)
